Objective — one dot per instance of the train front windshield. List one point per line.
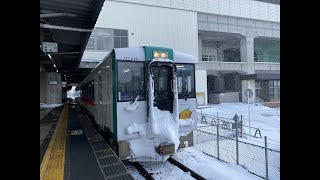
(131, 80)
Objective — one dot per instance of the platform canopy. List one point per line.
(65, 28)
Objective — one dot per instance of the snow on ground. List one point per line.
(251, 157)
(262, 117)
(208, 167)
(211, 168)
(48, 106)
(160, 170)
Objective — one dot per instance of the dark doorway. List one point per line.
(163, 85)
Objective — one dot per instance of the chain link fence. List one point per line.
(217, 137)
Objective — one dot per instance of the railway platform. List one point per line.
(72, 149)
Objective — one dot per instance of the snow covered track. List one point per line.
(148, 176)
(185, 169)
(143, 171)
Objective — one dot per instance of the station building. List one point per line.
(235, 42)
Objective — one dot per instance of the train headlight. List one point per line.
(158, 54)
(164, 55)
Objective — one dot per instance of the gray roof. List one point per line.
(68, 23)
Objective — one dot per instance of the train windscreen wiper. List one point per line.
(135, 99)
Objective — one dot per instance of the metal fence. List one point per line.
(219, 137)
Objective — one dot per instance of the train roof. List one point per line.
(139, 55)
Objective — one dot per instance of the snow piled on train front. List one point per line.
(162, 125)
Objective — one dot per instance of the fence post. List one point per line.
(236, 118)
(201, 115)
(241, 126)
(218, 136)
(266, 156)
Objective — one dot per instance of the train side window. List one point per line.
(186, 80)
(130, 80)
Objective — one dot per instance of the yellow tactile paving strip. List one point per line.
(52, 165)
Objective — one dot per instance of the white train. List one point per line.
(144, 99)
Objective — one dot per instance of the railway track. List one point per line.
(142, 171)
(148, 176)
(186, 169)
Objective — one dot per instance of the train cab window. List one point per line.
(186, 80)
(130, 81)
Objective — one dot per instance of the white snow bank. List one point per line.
(211, 168)
(139, 128)
(208, 167)
(186, 122)
(164, 125)
(48, 106)
(144, 150)
(262, 117)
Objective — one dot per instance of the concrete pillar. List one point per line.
(248, 84)
(54, 91)
(50, 93)
(247, 53)
(201, 87)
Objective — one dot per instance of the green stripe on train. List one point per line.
(114, 93)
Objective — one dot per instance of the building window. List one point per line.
(274, 89)
(258, 89)
(209, 54)
(255, 57)
(105, 39)
(90, 44)
(267, 50)
(208, 58)
(231, 55)
(120, 38)
(229, 82)
(205, 57)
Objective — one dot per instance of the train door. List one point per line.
(163, 85)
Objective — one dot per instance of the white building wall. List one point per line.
(238, 8)
(201, 87)
(173, 24)
(153, 26)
